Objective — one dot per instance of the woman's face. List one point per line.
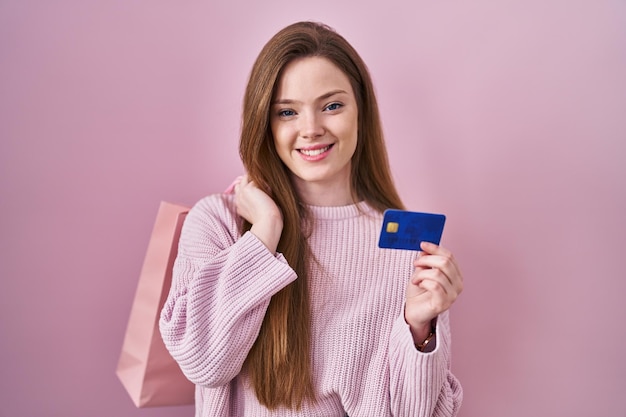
(314, 118)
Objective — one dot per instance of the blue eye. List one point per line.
(334, 106)
(286, 113)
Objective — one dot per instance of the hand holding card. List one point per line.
(407, 229)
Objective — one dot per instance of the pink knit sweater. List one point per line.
(363, 357)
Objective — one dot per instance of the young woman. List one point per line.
(281, 302)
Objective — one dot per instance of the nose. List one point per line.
(311, 126)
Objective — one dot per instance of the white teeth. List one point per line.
(314, 152)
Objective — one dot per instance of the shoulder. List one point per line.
(215, 205)
(213, 217)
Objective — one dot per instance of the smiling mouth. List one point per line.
(314, 152)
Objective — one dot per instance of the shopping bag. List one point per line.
(145, 368)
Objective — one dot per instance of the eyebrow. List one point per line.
(322, 97)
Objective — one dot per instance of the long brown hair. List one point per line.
(279, 363)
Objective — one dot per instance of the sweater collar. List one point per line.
(340, 212)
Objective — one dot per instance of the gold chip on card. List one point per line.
(392, 227)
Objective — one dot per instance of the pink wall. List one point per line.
(508, 116)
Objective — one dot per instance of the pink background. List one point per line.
(508, 116)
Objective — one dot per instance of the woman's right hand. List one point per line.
(254, 205)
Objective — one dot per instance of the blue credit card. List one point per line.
(407, 229)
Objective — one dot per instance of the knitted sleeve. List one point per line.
(422, 383)
(221, 287)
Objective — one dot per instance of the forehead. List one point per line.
(310, 77)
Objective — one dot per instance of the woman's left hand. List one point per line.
(433, 288)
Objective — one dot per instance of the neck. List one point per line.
(324, 194)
